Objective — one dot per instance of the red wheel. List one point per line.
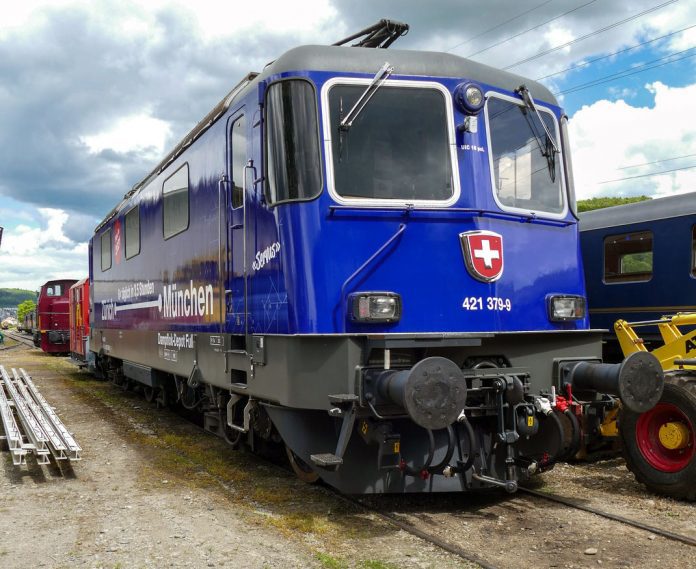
(660, 445)
(665, 438)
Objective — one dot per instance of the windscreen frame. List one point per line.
(561, 169)
(381, 202)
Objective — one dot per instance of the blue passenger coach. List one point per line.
(371, 256)
(640, 260)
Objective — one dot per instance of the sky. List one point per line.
(94, 93)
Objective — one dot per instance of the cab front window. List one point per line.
(526, 166)
(397, 149)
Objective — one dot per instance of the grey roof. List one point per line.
(661, 208)
(405, 62)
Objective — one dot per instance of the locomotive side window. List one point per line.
(106, 250)
(239, 156)
(628, 257)
(397, 148)
(133, 232)
(526, 169)
(293, 165)
(175, 193)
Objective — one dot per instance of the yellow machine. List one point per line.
(659, 445)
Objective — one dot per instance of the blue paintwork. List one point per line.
(298, 291)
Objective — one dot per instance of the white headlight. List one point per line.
(565, 307)
(375, 307)
(474, 96)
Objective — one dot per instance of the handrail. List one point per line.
(399, 231)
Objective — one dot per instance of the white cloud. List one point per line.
(608, 136)
(32, 255)
(215, 19)
(130, 133)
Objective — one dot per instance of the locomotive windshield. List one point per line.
(526, 170)
(396, 149)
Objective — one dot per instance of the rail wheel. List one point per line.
(150, 393)
(660, 445)
(301, 469)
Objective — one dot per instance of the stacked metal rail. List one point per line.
(30, 424)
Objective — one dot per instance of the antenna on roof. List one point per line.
(381, 35)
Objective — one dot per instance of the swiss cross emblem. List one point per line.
(483, 254)
(117, 241)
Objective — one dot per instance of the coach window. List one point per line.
(239, 155)
(133, 232)
(106, 250)
(175, 193)
(628, 257)
(293, 166)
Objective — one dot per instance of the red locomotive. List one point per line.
(52, 332)
(78, 298)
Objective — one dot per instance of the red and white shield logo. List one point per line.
(483, 254)
(117, 241)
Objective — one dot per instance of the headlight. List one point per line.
(469, 97)
(562, 307)
(375, 307)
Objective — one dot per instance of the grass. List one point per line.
(331, 562)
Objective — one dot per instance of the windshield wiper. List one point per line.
(549, 147)
(381, 76)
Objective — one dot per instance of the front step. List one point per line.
(327, 460)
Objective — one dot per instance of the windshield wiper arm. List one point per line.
(523, 92)
(549, 148)
(381, 76)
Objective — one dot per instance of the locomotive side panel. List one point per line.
(78, 301)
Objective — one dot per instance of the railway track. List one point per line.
(472, 527)
(20, 338)
(419, 522)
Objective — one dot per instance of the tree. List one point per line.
(25, 308)
(599, 203)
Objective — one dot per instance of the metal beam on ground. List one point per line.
(74, 450)
(38, 441)
(55, 442)
(13, 435)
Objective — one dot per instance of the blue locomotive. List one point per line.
(372, 258)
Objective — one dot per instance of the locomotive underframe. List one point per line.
(318, 392)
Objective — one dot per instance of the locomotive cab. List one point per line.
(52, 332)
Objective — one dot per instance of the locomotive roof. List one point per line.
(342, 59)
(405, 62)
(639, 212)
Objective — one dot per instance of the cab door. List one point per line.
(236, 295)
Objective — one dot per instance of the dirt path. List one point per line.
(153, 491)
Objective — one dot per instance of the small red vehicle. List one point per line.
(52, 332)
(78, 298)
